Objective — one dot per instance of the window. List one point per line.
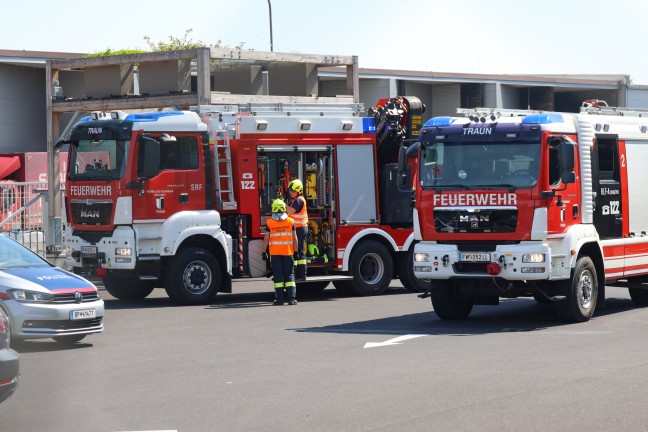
(181, 154)
(608, 160)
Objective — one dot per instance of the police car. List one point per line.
(43, 300)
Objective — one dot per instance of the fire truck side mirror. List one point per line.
(567, 160)
(148, 164)
(402, 167)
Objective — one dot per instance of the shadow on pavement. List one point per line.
(515, 315)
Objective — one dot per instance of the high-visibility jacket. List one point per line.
(281, 236)
(301, 217)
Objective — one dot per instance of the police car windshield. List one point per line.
(480, 164)
(102, 159)
(14, 255)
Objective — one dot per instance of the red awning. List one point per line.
(8, 166)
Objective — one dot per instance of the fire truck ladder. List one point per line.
(595, 106)
(223, 171)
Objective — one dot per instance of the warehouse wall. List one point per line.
(22, 109)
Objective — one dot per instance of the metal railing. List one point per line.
(23, 214)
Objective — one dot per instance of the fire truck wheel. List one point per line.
(372, 268)
(193, 277)
(406, 272)
(128, 289)
(581, 293)
(447, 301)
(639, 295)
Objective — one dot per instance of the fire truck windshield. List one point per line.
(472, 165)
(98, 159)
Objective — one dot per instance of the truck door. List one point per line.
(179, 185)
(608, 200)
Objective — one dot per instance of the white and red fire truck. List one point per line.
(544, 204)
(179, 199)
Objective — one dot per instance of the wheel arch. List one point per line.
(217, 245)
(369, 234)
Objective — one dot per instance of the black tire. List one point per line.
(309, 289)
(447, 301)
(193, 277)
(69, 340)
(639, 296)
(582, 293)
(406, 272)
(372, 268)
(128, 289)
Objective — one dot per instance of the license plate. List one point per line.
(82, 314)
(474, 257)
(88, 250)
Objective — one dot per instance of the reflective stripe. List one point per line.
(281, 236)
(301, 218)
(290, 284)
(279, 285)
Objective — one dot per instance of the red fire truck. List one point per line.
(179, 199)
(543, 204)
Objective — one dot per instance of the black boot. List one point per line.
(300, 272)
(291, 296)
(279, 300)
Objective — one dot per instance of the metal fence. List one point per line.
(23, 213)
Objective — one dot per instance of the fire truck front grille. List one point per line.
(84, 213)
(458, 220)
(92, 236)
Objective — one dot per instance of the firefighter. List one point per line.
(281, 239)
(297, 211)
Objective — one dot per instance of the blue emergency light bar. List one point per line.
(440, 121)
(151, 116)
(546, 118)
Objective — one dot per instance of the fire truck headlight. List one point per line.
(123, 252)
(421, 257)
(533, 258)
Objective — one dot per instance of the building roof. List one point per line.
(559, 81)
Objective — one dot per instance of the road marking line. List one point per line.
(393, 341)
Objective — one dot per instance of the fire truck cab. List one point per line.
(540, 204)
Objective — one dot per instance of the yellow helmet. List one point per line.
(296, 185)
(278, 206)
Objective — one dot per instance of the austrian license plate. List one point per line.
(88, 250)
(82, 314)
(474, 257)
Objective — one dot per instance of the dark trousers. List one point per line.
(283, 270)
(301, 256)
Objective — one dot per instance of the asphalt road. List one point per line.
(240, 364)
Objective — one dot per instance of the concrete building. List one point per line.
(23, 93)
